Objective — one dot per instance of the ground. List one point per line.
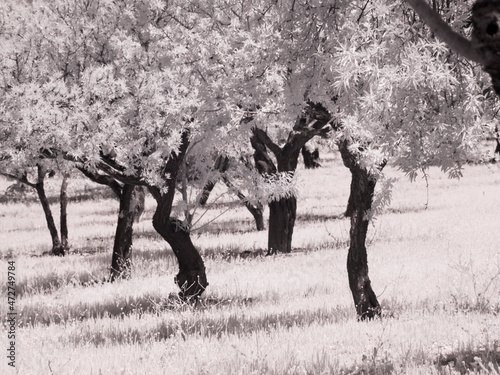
(436, 271)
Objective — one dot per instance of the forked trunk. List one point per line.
(121, 262)
(362, 190)
(313, 121)
(57, 248)
(282, 214)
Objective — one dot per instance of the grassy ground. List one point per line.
(436, 271)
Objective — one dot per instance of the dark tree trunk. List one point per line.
(310, 157)
(121, 262)
(138, 202)
(282, 214)
(257, 211)
(350, 203)
(362, 190)
(191, 279)
(221, 165)
(63, 202)
(57, 248)
(205, 194)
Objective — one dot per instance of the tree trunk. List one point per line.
(121, 262)
(350, 204)
(205, 194)
(282, 214)
(257, 212)
(63, 202)
(314, 121)
(57, 249)
(221, 165)
(362, 190)
(310, 157)
(138, 202)
(191, 279)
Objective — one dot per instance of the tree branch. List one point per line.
(443, 31)
(264, 138)
(23, 179)
(103, 180)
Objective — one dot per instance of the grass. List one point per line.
(436, 271)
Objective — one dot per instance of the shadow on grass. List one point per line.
(210, 326)
(135, 306)
(406, 210)
(485, 359)
(29, 196)
(311, 217)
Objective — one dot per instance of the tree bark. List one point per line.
(310, 157)
(138, 202)
(191, 279)
(282, 215)
(63, 202)
(350, 203)
(57, 248)
(362, 191)
(121, 262)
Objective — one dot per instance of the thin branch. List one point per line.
(23, 179)
(362, 11)
(103, 180)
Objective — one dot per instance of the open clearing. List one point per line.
(436, 271)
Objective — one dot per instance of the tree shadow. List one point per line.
(28, 195)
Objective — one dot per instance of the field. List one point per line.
(436, 270)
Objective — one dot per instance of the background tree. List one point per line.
(131, 207)
(60, 243)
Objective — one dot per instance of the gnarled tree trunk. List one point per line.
(191, 279)
(282, 211)
(362, 191)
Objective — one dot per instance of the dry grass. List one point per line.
(436, 271)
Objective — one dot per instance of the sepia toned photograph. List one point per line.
(250, 187)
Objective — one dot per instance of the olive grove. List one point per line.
(125, 89)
